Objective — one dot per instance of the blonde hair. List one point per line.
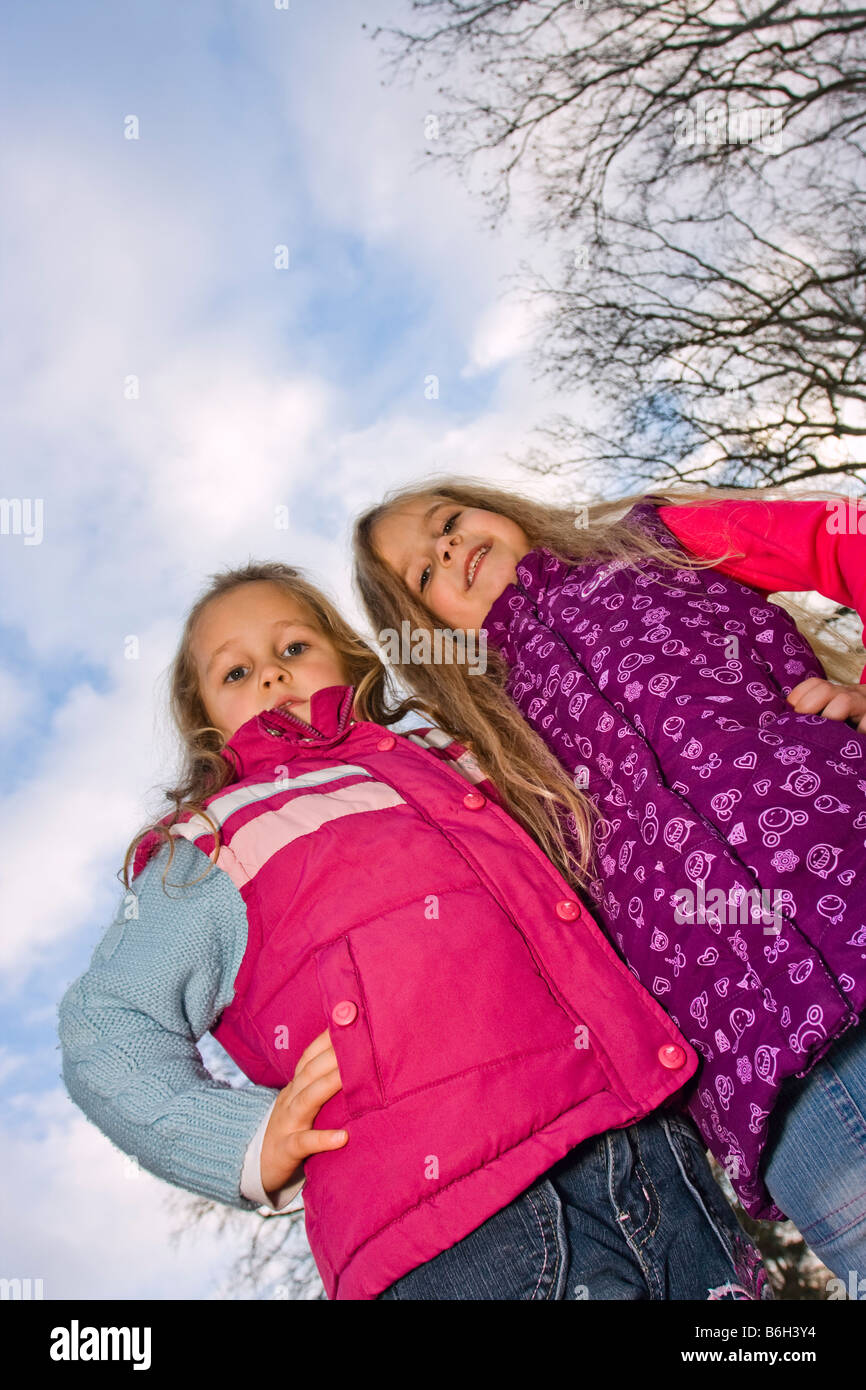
(205, 770)
(474, 706)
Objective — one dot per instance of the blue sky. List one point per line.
(155, 258)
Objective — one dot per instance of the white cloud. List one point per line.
(503, 331)
(15, 697)
(74, 815)
(10, 1062)
(400, 448)
(83, 1218)
(228, 446)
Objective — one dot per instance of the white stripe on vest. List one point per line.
(437, 738)
(263, 836)
(226, 803)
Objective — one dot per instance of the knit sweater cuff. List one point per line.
(197, 1141)
(209, 1147)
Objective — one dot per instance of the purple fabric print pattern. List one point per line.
(732, 843)
(755, 1283)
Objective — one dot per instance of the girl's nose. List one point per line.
(445, 546)
(274, 675)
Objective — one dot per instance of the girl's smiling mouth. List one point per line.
(473, 560)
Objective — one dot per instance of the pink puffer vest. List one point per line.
(483, 1025)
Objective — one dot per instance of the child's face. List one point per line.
(256, 647)
(456, 560)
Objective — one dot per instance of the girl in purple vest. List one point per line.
(720, 834)
(467, 1093)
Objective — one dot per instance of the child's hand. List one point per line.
(832, 699)
(290, 1137)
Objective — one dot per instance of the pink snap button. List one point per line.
(344, 1012)
(568, 909)
(473, 801)
(386, 744)
(672, 1056)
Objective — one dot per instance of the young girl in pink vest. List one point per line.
(444, 1049)
(720, 834)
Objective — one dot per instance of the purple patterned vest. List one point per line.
(732, 830)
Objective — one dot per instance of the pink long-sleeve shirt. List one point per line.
(782, 546)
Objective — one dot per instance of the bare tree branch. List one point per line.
(701, 165)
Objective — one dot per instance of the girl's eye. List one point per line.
(425, 573)
(294, 649)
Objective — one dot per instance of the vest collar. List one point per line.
(330, 716)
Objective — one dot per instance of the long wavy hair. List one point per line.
(474, 706)
(204, 769)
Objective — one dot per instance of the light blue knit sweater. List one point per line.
(129, 1025)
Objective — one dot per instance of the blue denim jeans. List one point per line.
(815, 1159)
(631, 1214)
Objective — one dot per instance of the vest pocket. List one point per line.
(460, 995)
(349, 1027)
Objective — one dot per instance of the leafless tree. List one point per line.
(700, 163)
